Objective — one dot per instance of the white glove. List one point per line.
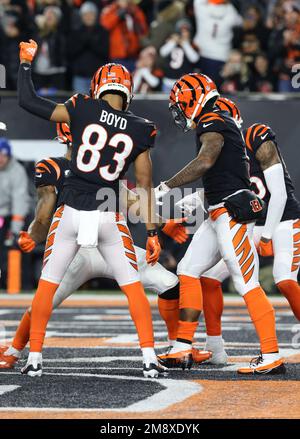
(189, 203)
(160, 191)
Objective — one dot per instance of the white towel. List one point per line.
(88, 228)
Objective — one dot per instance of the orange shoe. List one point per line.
(183, 359)
(200, 356)
(265, 363)
(7, 361)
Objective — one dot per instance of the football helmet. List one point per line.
(188, 97)
(63, 133)
(225, 104)
(115, 78)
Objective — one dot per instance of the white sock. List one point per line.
(35, 358)
(149, 356)
(179, 346)
(213, 340)
(271, 357)
(12, 351)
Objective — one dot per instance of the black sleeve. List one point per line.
(28, 98)
(211, 123)
(45, 174)
(257, 134)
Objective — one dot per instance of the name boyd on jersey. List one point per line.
(113, 119)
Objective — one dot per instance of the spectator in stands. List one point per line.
(49, 67)
(179, 54)
(126, 24)
(169, 12)
(262, 78)
(10, 37)
(147, 77)
(14, 199)
(253, 25)
(285, 46)
(215, 23)
(234, 74)
(87, 48)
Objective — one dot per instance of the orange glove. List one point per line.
(153, 249)
(26, 243)
(265, 248)
(28, 50)
(176, 230)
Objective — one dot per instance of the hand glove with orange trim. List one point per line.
(26, 243)
(27, 51)
(153, 248)
(176, 230)
(265, 247)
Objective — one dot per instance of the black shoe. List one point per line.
(32, 371)
(152, 370)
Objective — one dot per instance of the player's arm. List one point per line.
(270, 163)
(27, 96)
(38, 229)
(212, 144)
(143, 175)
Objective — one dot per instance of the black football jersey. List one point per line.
(255, 136)
(51, 172)
(105, 143)
(177, 63)
(230, 173)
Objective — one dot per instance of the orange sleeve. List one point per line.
(109, 17)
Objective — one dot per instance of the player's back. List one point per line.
(230, 173)
(105, 142)
(255, 136)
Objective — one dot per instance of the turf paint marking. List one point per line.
(173, 393)
(6, 389)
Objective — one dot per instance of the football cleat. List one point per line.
(7, 361)
(152, 370)
(181, 359)
(200, 356)
(265, 364)
(32, 370)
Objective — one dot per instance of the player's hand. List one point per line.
(153, 249)
(265, 247)
(28, 51)
(26, 243)
(189, 203)
(176, 230)
(160, 191)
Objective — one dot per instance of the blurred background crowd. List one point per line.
(245, 45)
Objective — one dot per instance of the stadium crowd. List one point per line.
(244, 45)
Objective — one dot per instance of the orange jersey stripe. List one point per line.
(55, 166)
(42, 165)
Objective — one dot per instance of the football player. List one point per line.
(107, 138)
(88, 263)
(233, 208)
(278, 234)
